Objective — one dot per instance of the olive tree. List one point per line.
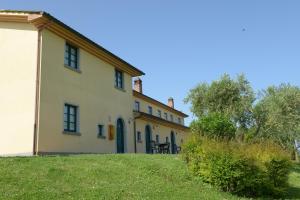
(277, 114)
(230, 97)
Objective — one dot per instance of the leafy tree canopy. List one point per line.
(214, 125)
(233, 98)
(277, 114)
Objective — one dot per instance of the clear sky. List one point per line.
(179, 44)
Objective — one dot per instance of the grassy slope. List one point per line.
(294, 180)
(100, 177)
(106, 177)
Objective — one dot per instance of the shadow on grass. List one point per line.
(294, 189)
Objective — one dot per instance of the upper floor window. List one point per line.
(71, 56)
(179, 120)
(119, 79)
(137, 106)
(166, 116)
(171, 118)
(150, 110)
(159, 113)
(70, 118)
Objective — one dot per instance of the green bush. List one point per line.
(252, 170)
(214, 125)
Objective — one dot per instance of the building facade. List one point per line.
(63, 93)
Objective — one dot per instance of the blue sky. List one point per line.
(179, 44)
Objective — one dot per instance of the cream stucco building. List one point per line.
(62, 93)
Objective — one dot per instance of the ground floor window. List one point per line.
(70, 118)
(157, 138)
(167, 139)
(139, 136)
(101, 131)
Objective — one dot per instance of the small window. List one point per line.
(150, 110)
(137, 106)
(179, 120)
(171, 117)
(166, 116)
(159, 113)
(70, 118)
(101, 131)
(157, 138)
(71, 56)
(119, 79)
(139, 136)
(167, 139)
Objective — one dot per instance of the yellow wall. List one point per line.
(144, 108)
(92, 90)
(156, 129)
(18, 56)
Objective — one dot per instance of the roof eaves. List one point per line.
(90, 41)
(166, 106)
(142, 114)
(50, 17)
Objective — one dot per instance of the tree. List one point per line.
(214, 125)
(277, 114)
(232, 98)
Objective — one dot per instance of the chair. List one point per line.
(178, 149)
(166, 148)
(154, 147)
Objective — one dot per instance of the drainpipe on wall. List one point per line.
(134, 129)
(37, 91)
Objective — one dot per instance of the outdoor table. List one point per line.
(164, 148)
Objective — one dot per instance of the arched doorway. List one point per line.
(173, 143)
(148, 139)
(120, 136)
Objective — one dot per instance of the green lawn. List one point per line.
(107, 177)
(294, 191)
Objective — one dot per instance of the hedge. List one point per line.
(251, 170)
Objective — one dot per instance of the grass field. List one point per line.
(294, 191)
(108, 177)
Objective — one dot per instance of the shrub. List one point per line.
(214, 125)
(252, 170)
(276, 173)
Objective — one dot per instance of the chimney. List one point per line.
(171, 102)
(138, 86)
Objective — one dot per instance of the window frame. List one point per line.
(150, 110)
(67, 118)
(119, 85)
(167, 140)
(101, 134)
(139, 136)
(68, 56)
(157, 138)
(179, 120)
(159, 113)
(166, 116)
(137, 106)
(171, 118)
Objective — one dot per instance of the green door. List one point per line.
(173, 143)
(148, 139)
(120, 136)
